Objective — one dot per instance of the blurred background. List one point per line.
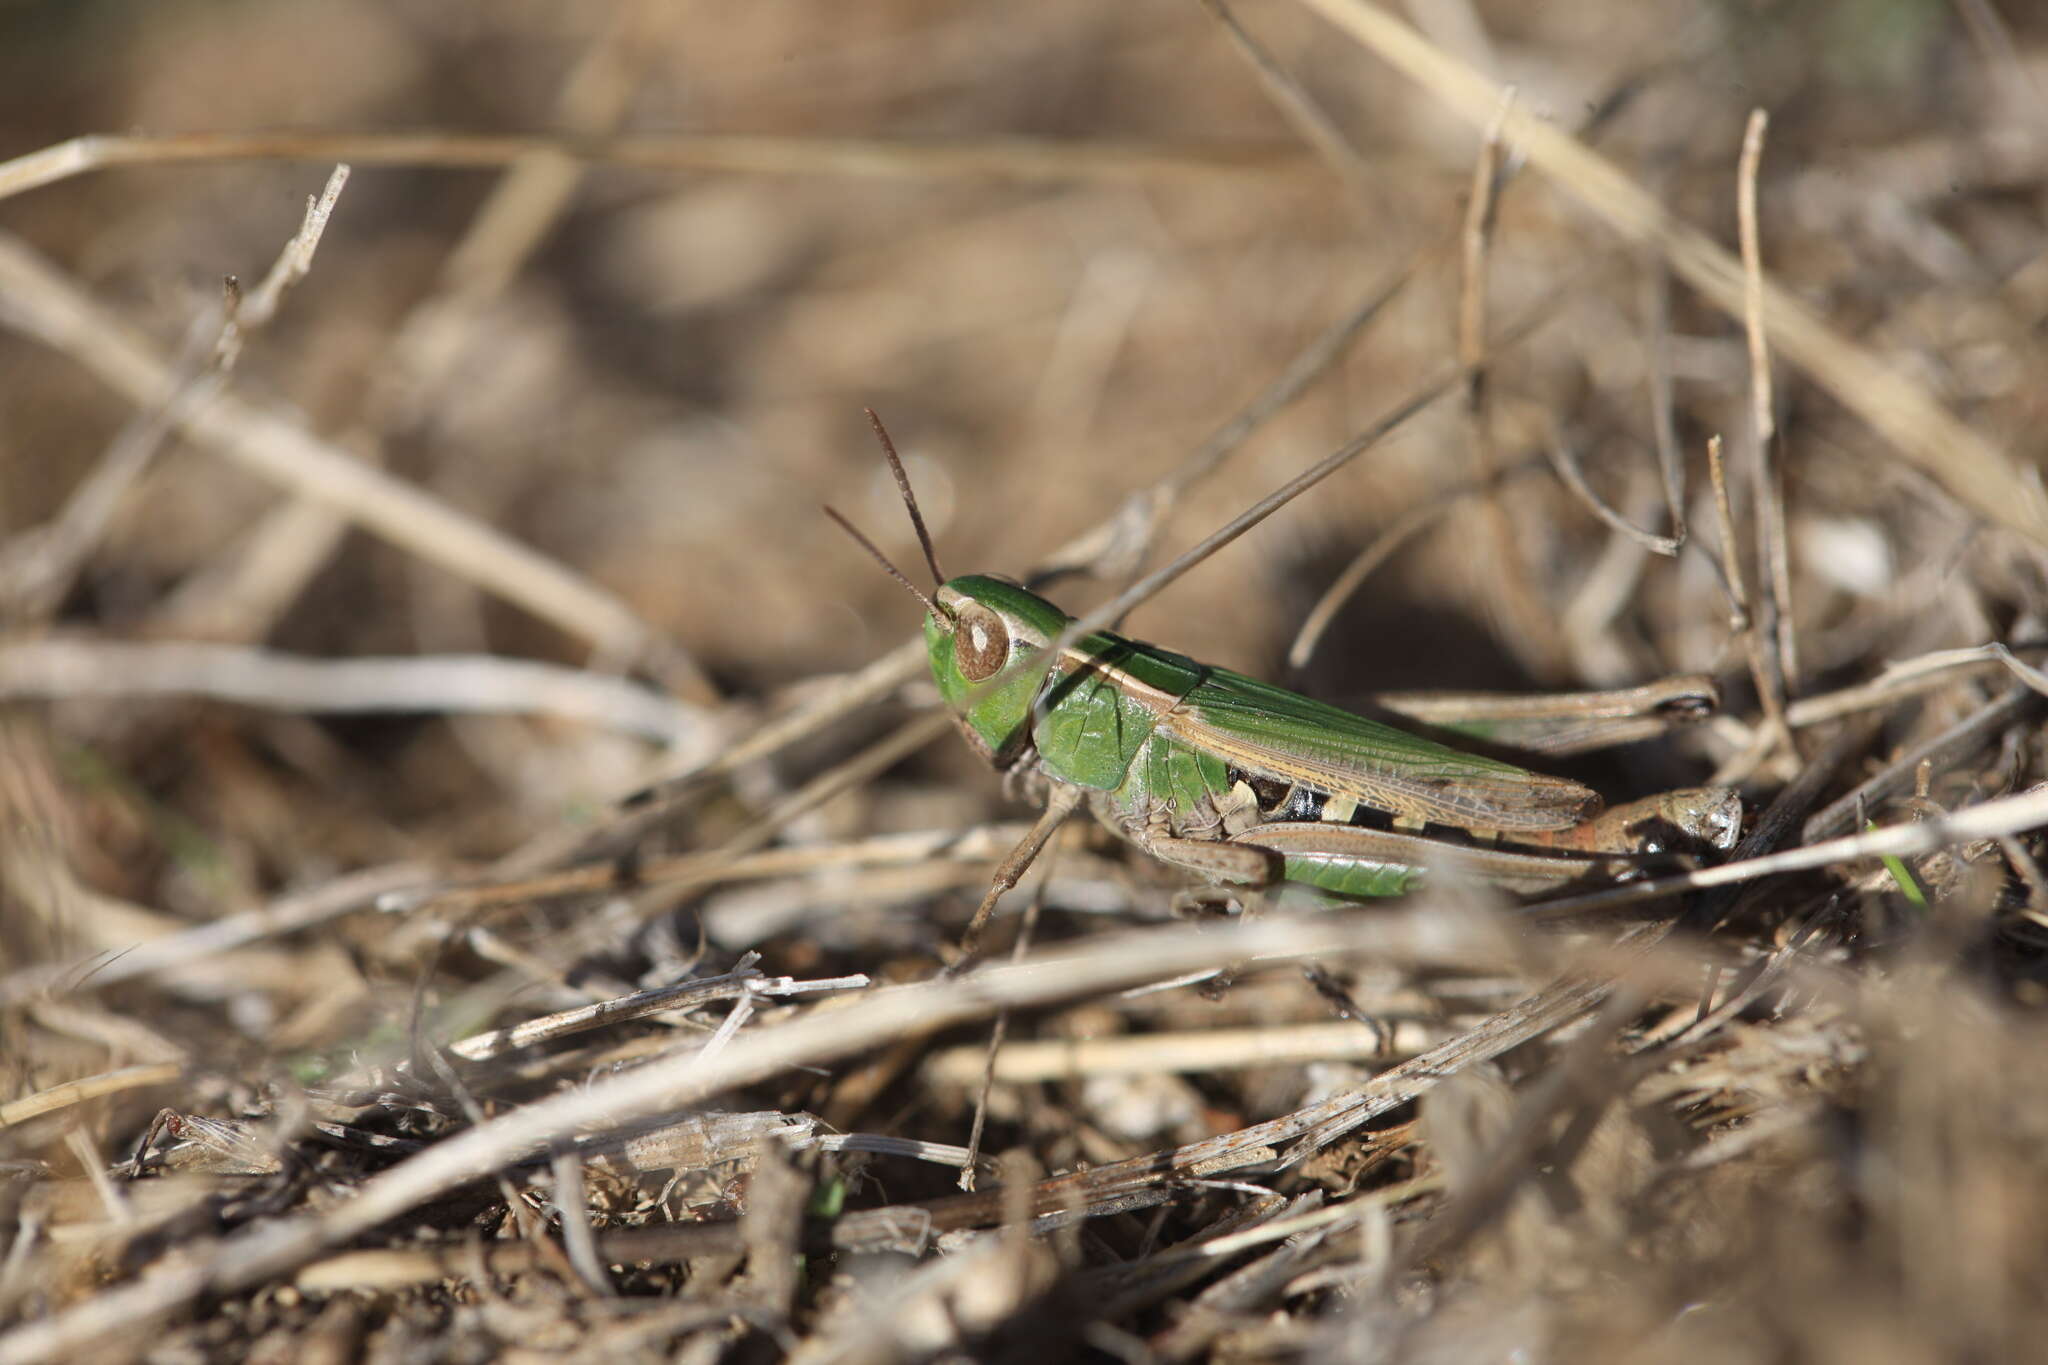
(1056, 247)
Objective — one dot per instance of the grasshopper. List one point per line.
(1247, 784)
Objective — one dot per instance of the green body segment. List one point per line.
(1093, 723)
(1180, 781)
(1344, 875)
(1178, 774)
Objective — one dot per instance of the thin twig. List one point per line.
(1565, 461)
(1657, 369)
(1026, 160)
(60, 668)
(1762, 410)
(999, 1027)
(1196, 1050)
(1381, 548)
(1742, 621)
(1774, 563)
(70, 1093)
(687, 995)
(1907, 678)
(1958, 741)
(43, 567)
(1523, 615)
(1918, 428)
(257, 307)
(579, 1238)
(276, 444)
(1300, 109)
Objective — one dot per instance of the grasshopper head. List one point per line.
(974, 628)
(982, 625)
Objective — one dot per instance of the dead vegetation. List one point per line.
(480, 862)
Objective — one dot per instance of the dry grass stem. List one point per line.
(1774, 567)
(259, 305)
(1298, 106)
(1974, 470)
(1378, 551)
(1210, 1050)
(38, 570)
(1656, 308)
(78, 1092)
(1907, 678)
(1742, 616)
(1566, 466)
(1523, 616)
(1762, 407)
(1944, 749)
(1025, 160)
(276, 445)
(689, 995)
(60, 668)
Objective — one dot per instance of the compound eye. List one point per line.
(981, 642)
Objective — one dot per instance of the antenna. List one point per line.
(924, 537)
(883, 560)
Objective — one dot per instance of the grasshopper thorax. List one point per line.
(983, 625)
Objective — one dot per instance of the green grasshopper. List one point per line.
(1248, 784)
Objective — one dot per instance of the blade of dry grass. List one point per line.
(1026, 160)
(1942, 750)
(37, 571)
(242, 594)
(1198, 1050)
(1742, 616)
(1918, 428)
(1382, 547)
(1299, 108)
(1656, 310)
(285, 915)
(1776, 631)
(1899, 681)
(71, 1093)
(1522, 616)
(58, 668)
(742, 980)
(274, 443)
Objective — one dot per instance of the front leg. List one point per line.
(1060, 801)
